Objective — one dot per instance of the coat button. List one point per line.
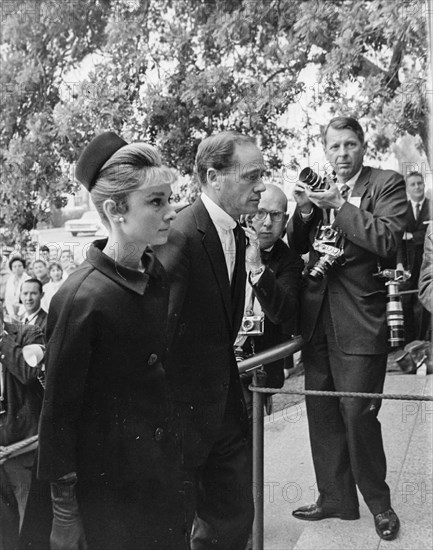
(159, 434)
(153, 358)
(225, 385)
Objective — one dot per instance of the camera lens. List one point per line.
(247, 325)
(309, 177)
(394, 317)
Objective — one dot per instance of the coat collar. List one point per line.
(128, 278)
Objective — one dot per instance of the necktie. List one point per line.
(266, 256)
(237, 233)
(26, 322)
(344, 191)
(417, 210)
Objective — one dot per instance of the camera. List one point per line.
(394, 306)
(313, 180)
(329, 244)
(252, 325)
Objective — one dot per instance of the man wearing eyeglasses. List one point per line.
(274, 279)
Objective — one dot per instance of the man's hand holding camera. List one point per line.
(327, 198)
(252, 252)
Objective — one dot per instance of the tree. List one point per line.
(39, 42)
(173, 72)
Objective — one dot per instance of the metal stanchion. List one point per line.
(258, 466)
(251, 365)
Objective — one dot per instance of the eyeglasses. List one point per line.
(276, 215)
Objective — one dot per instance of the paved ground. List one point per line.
(290, 480)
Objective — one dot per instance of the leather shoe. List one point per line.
(387, 524)
(314, 512)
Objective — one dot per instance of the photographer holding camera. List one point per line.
(343, 320)
(272, 290)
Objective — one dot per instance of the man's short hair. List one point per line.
(44, 248)
(345, 123)
(40, 261)
(217, 152)
(36, 281)
(415, 173)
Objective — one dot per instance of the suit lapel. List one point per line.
(362, 188)
(213, 248)
(424, 214)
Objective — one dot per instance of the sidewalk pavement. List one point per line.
(290, 481)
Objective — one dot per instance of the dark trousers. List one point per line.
(345, 434)
(15, 477)
(223, 488)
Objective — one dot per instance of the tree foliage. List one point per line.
(175, 71)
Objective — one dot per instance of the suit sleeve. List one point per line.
(425, 283)
(70, 330)
(278, 292)
(380, 231)
(12, 350)
(298, 230)
(174, 256)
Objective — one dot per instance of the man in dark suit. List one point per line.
(20, 405)
(31, 296)
(273, 285)
(343, 320)
(410, 255)
(205, 261)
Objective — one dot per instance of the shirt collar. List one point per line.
(32, 316)
(351, 183)
(128, 278)
(414, 203)
(217, 214)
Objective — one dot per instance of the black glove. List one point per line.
(67, 532)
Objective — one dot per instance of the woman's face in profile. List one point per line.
(149, 215)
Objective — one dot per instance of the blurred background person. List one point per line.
(44, 253)
(55, 271)
(13, 307)
(67, 262)
(20, 405)
(416, 318)
(426, 273)
(31, 296)
(40, 271)
(4, 276)
(274, 274)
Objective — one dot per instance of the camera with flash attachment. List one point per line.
(329, 244)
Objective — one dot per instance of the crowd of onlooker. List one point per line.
(49, 265)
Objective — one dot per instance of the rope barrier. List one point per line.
(400, 396)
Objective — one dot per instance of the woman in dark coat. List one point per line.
(105, 445)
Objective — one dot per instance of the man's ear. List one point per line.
(285, 222)
(212, 178)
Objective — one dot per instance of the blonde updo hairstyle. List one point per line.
(127, 170)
